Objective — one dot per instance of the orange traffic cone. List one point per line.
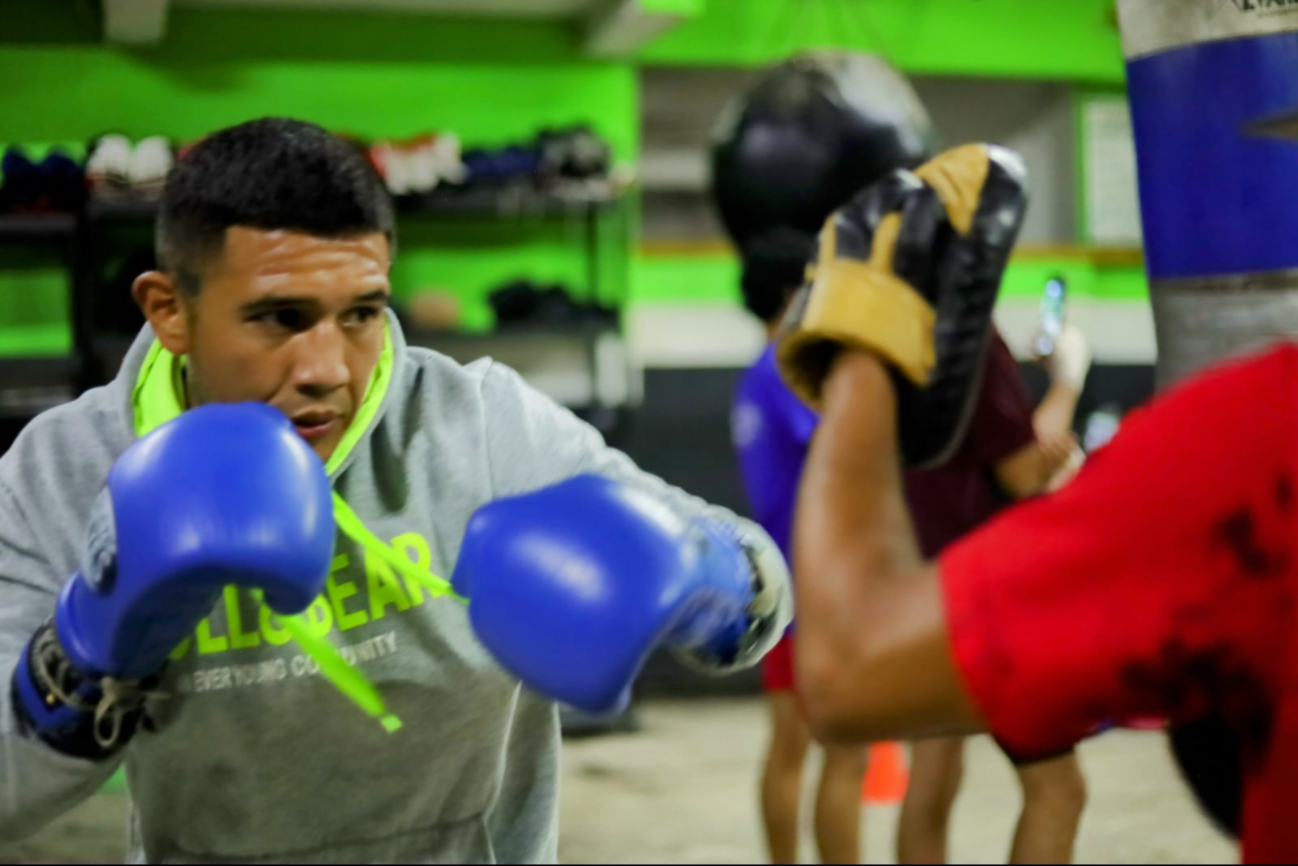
(886, 776)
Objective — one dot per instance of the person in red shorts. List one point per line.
(808, 133)
(794, 145)
(1160, 582)
(771, 430)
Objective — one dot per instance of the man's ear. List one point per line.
(159, 298)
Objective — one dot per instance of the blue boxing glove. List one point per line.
(224, 494)
(571, 587)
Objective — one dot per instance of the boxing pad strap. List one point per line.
(862, 304)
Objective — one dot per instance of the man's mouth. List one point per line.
(313, 426)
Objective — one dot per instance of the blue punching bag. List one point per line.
(1213, 86)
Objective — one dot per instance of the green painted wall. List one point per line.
(490, 80)
(370, 75)
(1074, 40)
(33, 302)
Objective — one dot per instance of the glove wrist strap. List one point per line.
(761, 614)
(764, 609)
(79, 715)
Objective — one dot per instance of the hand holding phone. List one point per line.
(1051, 316)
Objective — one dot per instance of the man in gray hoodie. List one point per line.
(275, 242)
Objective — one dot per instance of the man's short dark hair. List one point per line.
(273, 173)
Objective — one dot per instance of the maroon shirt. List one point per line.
(949, 500)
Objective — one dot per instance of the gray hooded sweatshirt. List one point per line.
(252, 755)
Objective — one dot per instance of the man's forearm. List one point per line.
(852, 514)
(38, 783)
(1054, 416)
(873, 653)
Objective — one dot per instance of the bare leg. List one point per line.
(1054, 794)
(782, 777)
(937, 767)
(838, 804)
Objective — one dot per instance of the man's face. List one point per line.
(292, 320)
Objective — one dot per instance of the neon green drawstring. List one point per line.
(349, 680)
(157, 398)
(358, 532)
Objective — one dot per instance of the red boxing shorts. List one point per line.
(1161, 583)
(777, 667)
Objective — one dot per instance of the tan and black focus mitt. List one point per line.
(909, 269)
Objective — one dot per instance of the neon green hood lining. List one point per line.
(158, 397)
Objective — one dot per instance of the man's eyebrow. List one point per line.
(276, 302)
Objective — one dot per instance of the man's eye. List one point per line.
(362, 315)
(289, 319)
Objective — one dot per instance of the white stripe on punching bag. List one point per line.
(1151, 26)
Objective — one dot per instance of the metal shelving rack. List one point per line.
(599, 380)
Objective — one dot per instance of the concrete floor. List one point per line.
(683, 790)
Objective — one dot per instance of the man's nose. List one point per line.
(320, 365)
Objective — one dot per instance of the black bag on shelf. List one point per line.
(523, 302)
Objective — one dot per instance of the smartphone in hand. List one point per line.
(1051, 316)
